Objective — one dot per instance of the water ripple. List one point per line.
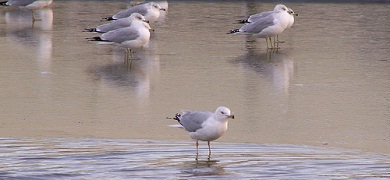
(123, 159)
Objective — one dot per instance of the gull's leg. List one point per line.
(275, 43)
(129, 53)
(33, 16)
(270, 42)
(266, 40)
(197, 144)
(208, 143)
(129, 58)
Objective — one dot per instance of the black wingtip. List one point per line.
(3, 3)
(243, 21)
(109, 18)
(97, 38)
(177, 117)
(233, 31)
(90, 30)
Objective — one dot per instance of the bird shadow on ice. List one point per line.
(203, 168)
(274, 65)
(36, 36)
(22, 18)
(21, 31)
(136, 74)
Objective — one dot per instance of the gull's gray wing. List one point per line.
(142, 9)
(255, 17)
(192, 120)
(121, 35)
(258, 25)
(117, 24)
(20, 2)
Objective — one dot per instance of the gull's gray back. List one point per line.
(192, 120)
(255, 17)
(258, 25)
(20, 2)
(142, 9)
(120, 23)
(121, 35)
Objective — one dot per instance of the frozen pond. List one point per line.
(325, 93)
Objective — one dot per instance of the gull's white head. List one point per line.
(156, 6)
(223, 112)
(138, 16)
(280, 8)
(137, 23)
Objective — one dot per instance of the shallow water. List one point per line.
(327, 86)
(123, 159)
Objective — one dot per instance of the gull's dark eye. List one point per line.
(222, 112)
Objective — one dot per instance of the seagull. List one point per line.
(28, 4)
(162, 3)
(205, 125)
(117, 24)
(135, 36)
(266, 27)
(150, 10)
(254, 17)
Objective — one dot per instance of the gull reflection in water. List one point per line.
(32, 36)
(203, 168)
(271, 64)
(137, 74)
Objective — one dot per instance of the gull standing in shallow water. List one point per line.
(28, 4)
(117, 24)
(205, 125)
(255, 17)
(151, 12)
(135, 36)
(272, 25)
